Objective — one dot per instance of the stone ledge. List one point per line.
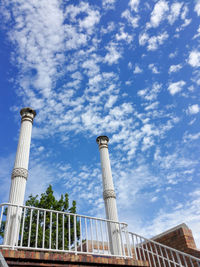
(36, 258)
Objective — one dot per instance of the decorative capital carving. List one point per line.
(28, 114)
(20, 172)
(102, 141)
(109, 193)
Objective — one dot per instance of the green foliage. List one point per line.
(45, 229)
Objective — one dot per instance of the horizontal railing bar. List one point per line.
(62, 212)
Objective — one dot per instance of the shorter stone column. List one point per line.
(19, 177)
(109, 196)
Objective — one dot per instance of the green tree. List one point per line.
(48, 229)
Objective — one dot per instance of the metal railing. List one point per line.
(24, 227)
(159, 255)
(31, 228)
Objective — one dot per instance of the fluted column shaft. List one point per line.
(109, 195)
(19, 175)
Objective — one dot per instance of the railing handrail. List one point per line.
(62, 212)
(164, 246)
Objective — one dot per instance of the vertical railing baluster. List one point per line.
(193, 264)
(69, 232)
(171, 252)
(80, 223)
(63, 231)
(86, 233)
(22, 233)
(91, 234)
(29, 230)
(185, 262)
(56, 230)
(138, 248)
(121, 238)
(37, 226)
(166, 252)
(147, 251)
(134, 247)
(97, 235)
(129, 250)
(155, 245)
(178, 258)
(153, 256)
(75, 235)
(43, 233)
(163, 260)
(102, 239)
(107, 237)
(142, 243)
(15, 239)
(50, 230)
(2, 210)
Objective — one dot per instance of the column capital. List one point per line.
(28, 114)
(102, 141)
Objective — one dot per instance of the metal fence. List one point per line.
(32, 228)
(160, 255)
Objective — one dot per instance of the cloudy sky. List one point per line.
(126, 69)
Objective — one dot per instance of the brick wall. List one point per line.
(180, 238)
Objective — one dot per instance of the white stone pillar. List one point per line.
(19, 176)
(109, 196)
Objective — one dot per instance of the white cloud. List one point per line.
(108, 4)
(190, 137)
(132, 20)
(152, 93)
(194, 58)
(109, 28)
(193, 109)
(153, 68)
(143, 38)
(197, 34)
(158, 14)
(187, 213)
(172, 55)
(176, 87)
(175, 68)
(154, 105)
(137, 70)
(152, 42)
(111, 101)
(113, 54)
(124, 36)
(174, 12)
(134, 5)
(90, 21)
(155, 41)
(197, 7)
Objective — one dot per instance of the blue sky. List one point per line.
(126, 69)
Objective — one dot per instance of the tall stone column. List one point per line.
(109, 196)
(19, 177)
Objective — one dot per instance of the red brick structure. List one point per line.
(180, 238)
